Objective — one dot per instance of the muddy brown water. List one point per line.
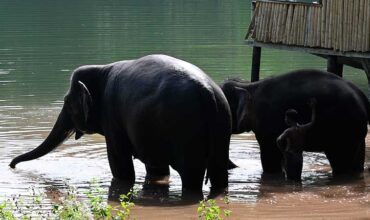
(252, 196)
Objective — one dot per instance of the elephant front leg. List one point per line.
(120, 158)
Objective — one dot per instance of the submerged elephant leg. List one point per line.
(343, 162)
(192, 182)
(119, 151)
(271, 157)
(156, 173)
(359, 159)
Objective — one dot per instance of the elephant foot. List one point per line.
(119, 187)
(217, 192)
(191, 196)
(347, 176)
(157, 180)
(155, 190)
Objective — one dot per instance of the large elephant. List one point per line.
(159, 109)
(342, 115)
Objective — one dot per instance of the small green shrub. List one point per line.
(70, 207)
(209, 210)
(124, 212)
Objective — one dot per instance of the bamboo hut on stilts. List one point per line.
(338, 30)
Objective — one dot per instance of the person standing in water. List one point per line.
(292, 141)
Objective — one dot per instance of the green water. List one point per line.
(42, 41)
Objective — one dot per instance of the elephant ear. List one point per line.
(244, 98)
(85, 100)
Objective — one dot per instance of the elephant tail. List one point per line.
(218, 117)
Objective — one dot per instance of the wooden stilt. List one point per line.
(256, 63)
(333, 66)
(366, 67)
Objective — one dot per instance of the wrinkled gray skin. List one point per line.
(159, 109)
(342, 115)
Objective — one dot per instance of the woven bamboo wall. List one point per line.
(342, 25)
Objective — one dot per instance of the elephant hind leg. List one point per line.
(192, 182)
(219, 181)
(359, 158)
(347, 161)
(156, 173)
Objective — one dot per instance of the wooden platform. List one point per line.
(311, 50)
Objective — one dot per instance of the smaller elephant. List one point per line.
(158, 109)
(292, 141)
(341, 119)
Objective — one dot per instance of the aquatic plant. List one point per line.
(209, 210)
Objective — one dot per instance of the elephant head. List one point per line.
(77, 115)
(239, 94)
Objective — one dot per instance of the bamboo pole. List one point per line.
(340, 25)
(338, 18)
(288, 24)
(308, 30)
(323, 24)
(274, 26)
(297, 24)
(296, 21)
(316, 26)
(272, 23)
(327, 29)
(361, 32)
(302, 25)
(333, 26)
(367, 35)
(355, 24)
(284, 23)
(345, 24)
(266, 29)
(261, 20)
(342, 14)
(276, 23)
(264, 21)
(304, 20)
(364, 26)
(350, 26)
(279, 23)
(280, 17)
(359, 25)
(318, 23)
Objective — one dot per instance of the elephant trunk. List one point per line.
(62, 129)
